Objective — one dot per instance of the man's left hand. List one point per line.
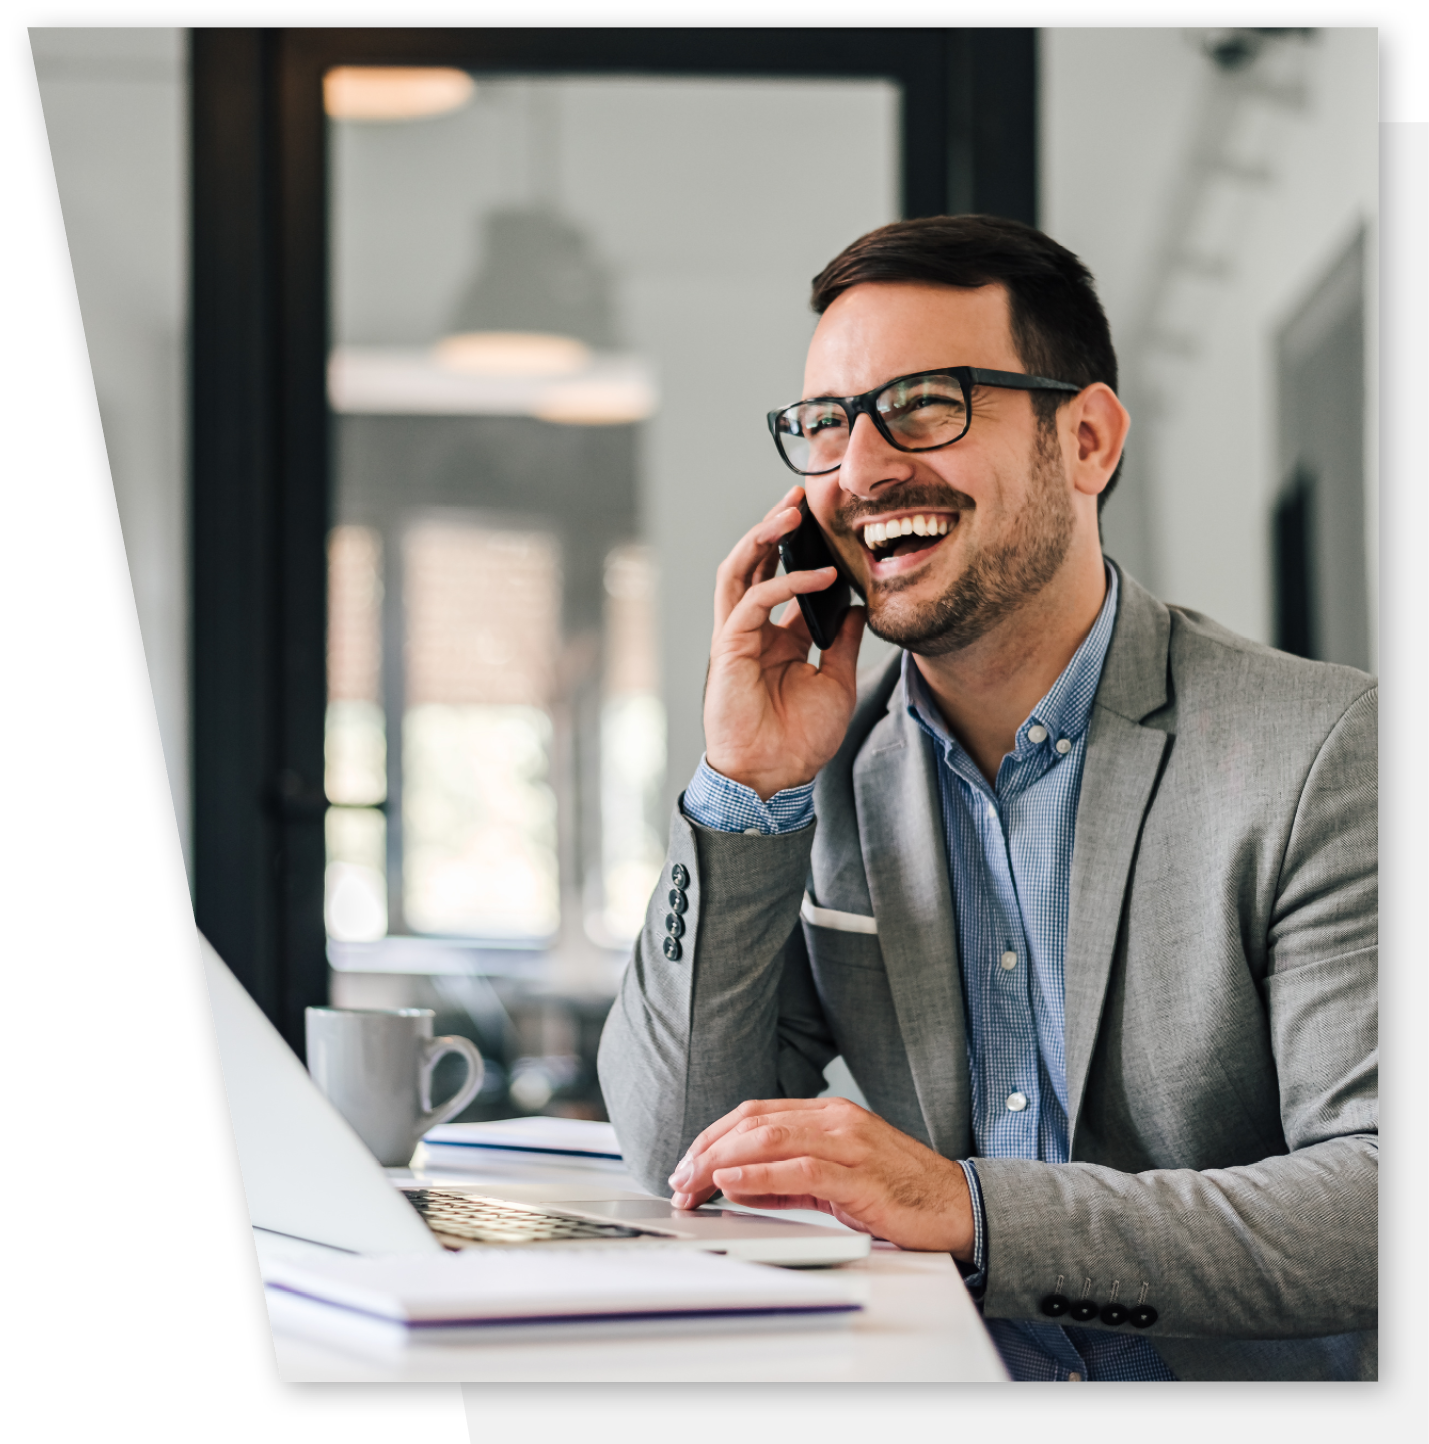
(830, 1154)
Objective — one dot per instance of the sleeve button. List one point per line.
(672, 949)
(1085, 1310)
(1054, 1306)
(1143, 1316)
(674, 925)
(1114, 1314)
(680, 875)
(679, 903)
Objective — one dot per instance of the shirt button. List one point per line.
(1016, 1102)
(752, 832)
(1074, 1377)
(1037, 733)
(1009, 961)
(1064, 747)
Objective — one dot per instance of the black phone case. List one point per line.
(806, 550)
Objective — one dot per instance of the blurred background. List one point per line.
(427, 639)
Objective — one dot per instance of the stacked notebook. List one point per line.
(535, 1140)
(392, 1301)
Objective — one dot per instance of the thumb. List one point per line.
(840, 662)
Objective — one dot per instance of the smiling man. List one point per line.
(1083, 888)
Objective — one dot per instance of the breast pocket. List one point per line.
(834, 921)
(841, 939)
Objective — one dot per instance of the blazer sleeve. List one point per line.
(1286, 1247)
(734, 1016)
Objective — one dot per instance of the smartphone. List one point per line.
(806, 549)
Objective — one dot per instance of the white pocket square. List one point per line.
(837, 921)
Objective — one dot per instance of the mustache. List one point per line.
(850, 518)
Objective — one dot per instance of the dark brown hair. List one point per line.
(1058, 325)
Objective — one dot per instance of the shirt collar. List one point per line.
(1065, 710)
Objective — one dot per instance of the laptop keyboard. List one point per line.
(486, 1220)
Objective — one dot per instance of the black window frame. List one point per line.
(260, 469)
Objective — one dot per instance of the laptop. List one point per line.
(311, 1181)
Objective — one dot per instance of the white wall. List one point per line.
(115, 105)
(1119, 114)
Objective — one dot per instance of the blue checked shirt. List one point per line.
(1010, 856)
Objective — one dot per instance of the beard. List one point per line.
(998, 579)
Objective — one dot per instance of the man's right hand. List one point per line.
(772, 719)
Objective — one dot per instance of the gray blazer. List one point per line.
(1222, 1024)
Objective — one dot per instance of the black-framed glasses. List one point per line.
(920, 412)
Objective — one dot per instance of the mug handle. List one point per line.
(433, 1051)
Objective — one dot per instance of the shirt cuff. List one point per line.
(975, 1274)
(716, 802)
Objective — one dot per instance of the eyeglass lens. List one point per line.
(921, 412)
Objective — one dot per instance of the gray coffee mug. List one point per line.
(375, 1066)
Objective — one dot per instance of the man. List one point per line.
(1083, 889)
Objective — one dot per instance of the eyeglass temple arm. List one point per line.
(1017, 381)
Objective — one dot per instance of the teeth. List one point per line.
(878, 533)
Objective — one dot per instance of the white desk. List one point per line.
(918, 1325)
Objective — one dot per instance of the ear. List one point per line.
(1094, 427)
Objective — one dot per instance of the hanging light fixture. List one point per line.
(598, 401)
(392, 92)
(533, 331)
(512, 353)
(540, 306)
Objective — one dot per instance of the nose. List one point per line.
(870, 464)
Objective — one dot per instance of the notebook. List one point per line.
(563, 1140)
(393, 1302)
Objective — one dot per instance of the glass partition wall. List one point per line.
(560, 308)
(485, 325)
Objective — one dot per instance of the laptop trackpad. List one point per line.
(626, 1207)
(656, 1208)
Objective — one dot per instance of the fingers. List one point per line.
(692, 1200)
(804, 1178)
(768, 566)
(682, 1180)
(750, 1108)
(757, 1132)
(794, 622)
(750, 614)
(792, 497)
(755, 556)
(795, 1200)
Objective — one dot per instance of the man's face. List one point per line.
(999, 502)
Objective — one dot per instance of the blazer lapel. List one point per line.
(1123, 762)
(905, 855)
